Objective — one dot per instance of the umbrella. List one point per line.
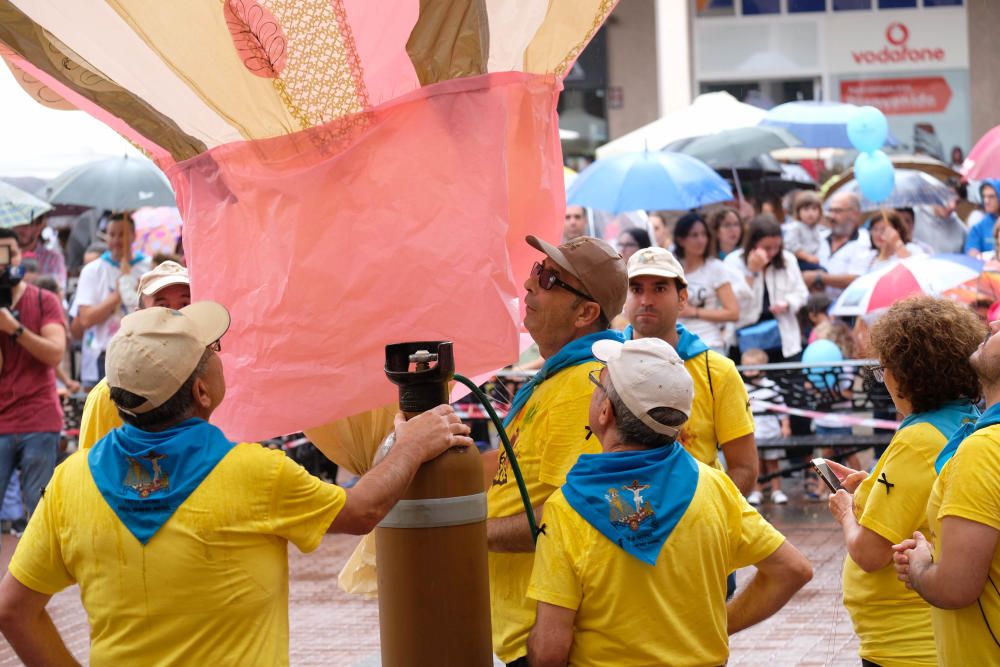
(736, 147)
(648, 181)
(984, 287)
(113, 184)
(708, 113)
(157, 230)
(817, 124)
(925, 274)
(924, 163)
(17, 207)
(913, 188)
(983, 160)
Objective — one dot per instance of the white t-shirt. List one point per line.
(853, 258)
(800, 236)
(767, 425)
(875, 263)
(97, 280)
(702, 285)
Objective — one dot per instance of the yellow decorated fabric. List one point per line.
(351, 443)
(568, 27)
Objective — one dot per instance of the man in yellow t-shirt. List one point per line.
(572, 295)
(956, 567)
(721, 416)
(177, 537)
(167, 285)
(631, 567)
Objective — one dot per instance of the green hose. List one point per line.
(485, 401)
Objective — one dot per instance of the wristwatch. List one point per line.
(17, 332)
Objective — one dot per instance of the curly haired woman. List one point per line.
(923, 346)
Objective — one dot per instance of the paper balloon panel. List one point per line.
(350, 172)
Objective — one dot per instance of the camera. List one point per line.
(10, 276)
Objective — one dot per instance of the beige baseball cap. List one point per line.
(656, 262)
(165, 274)
(156, 349)
(595, 264)
(647, 373)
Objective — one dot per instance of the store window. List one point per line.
(850, 5)
(753, 7)
(714, 7)
(897, 4)
(942, 3)
(795, 6)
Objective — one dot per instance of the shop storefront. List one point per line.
(909, 58)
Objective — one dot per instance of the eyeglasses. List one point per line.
(216, 346)
(547, 279)
(878, 373)
(595, 377)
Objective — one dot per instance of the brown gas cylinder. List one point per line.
(433, 581)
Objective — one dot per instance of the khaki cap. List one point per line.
(647, 373)
(156, 349)
(656, 262)
(598, 267)
(165, 274)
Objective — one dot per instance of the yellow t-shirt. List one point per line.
(548, 435)
(631, 613)
(100, 416)
(893, 622)
(209, 588)
(721, 409)
(969, 488)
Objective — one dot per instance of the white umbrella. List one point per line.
(707, 114)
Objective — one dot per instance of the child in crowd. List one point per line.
(802, 237)
(767, 425)
(816, 309)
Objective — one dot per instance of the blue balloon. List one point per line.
(820, 351)
(867, 129)
(875, 175)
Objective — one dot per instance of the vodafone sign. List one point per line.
(915, 40)
(897, 49)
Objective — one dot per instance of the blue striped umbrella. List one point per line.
(816, 124)
(17, 207)
(913, 188)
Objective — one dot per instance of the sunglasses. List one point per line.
(595, 377)
(547, 279)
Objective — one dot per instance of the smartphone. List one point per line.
(826, 474)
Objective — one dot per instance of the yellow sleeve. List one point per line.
(756, 538)
(302, 506)
(733, 418)
(100, 416)
(555, 578)
(972, 490)
(38, 560)
(895, 512)
(565, 437)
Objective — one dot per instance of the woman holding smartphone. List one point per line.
(923, 346)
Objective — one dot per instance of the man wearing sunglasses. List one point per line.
(178, 537)
(168, 286)
(573, 293)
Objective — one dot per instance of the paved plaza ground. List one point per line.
(329, 627)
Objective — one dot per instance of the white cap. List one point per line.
(656, 262)
(165, 274)
(647, 373)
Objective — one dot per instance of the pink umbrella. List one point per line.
(157, 230)
(984, 158)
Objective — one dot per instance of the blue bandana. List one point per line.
(145, 476)
(138, 257)
(574, 353)
(988, 418)
(635, 499)
(689, 345)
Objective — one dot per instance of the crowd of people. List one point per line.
(636, 439)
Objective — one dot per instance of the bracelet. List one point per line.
(17, 332)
